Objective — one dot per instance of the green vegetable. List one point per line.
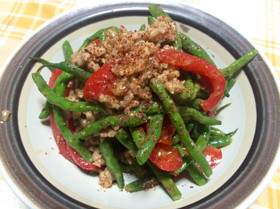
(220, 141)
(239, 63)
(195, 49)
(67, 51)
(95, 36)
(166, 181)
(125, 139)
(76, 144)
(179, 124)
(153, 134)
(143, 183)
(229, 84)
(156, 11)
(60, 101)
(61, 82)
(67, 67)
(112, 120)
(188, 113)
(134, 167)
(112, 163)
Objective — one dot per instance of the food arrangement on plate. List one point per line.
(143, 102)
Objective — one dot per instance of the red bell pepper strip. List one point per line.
(54, 76)
(212, 76)
(213, 155)
(80, 161)
(166, 157)
(101, 82)
(75, 155)
(60, 141)
(167, 131)
(64, 149)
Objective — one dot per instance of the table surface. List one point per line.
(258, 20)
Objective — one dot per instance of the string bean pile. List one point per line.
(142, 102)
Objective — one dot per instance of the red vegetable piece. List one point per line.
(166, 157)
(80, 161)
(75, 155)
(64, 149)
(54, 76)
(213, 155)
(60, 141)
(101, 82)
(97, 42)
(211, 75)
(167, 132)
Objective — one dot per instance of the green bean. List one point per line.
(220, 141)
(150, 20)
(195, 91)
(143, 183)
(196, 174)
(112, 120)
(125, 139)
(153, 134)
(203, 138)
(189, 126)
(216, 132)
(112, 163)
(229, 84)
(195, 131)
(46, 111)
(196, 104)
(190, 92)
(239, 63)
(189, 164)
(134, 167)
(103, 34)
(94, 173)
(59, 88)
(217, 112)
(177, 43)
(138, 135)
(67, 51)
(195, 49)
(179, 124)
(167, 182)
(67, 67)
(188, 113)
(61, 101)
(142, 27)
(232, 133)
(187, 160)
(175, 138)
(202, 94)
(76, 144)
(61, 82)
(95, 36)
(149, 108)
(156, 11)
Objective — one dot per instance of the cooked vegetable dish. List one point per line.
(142, 102)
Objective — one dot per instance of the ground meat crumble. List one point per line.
(133, 53)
